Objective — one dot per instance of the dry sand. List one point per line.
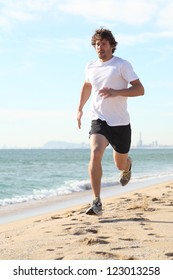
(134, 226)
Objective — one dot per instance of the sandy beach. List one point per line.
(137, 225)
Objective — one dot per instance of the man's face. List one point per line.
(103, 49)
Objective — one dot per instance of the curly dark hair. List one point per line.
(101, 34)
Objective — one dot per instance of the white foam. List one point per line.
(73, 186)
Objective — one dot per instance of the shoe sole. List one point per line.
(124, 184)
(92, 213)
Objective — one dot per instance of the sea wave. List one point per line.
(72, 186)
(68, 187)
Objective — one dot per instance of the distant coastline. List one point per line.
(53, 144)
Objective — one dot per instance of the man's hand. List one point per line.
(106, 92)
(79, 116)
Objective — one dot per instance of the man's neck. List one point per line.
(106, 59)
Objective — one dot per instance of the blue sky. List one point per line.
(44, 47)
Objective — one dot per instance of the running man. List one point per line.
(111, 80)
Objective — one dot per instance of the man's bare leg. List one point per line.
(123, 163)
(98, 144)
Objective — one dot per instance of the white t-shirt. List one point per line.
(115, 73)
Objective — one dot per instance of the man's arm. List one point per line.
(85, 95)
(136, 89)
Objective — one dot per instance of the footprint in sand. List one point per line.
(56, 217)
(126, 239)
(103, 237)
(87, 223)
(50, 250)
(169, 254)
(128, 199)
(92, 241)
(150, 209)
(84, 230)
(92, 230)
(147, 228)
(118, 248)
(134, 207)
(170, 204)
(139, 214)
(109, 256)
(71, 224)
(155, 199)
(138, 194)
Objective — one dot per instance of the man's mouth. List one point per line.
(101, 52)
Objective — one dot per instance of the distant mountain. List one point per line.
(64, 145)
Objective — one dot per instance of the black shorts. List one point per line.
(119, 137)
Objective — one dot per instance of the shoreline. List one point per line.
(136, 225)
(24, 210)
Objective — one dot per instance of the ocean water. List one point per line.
(27, 175)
